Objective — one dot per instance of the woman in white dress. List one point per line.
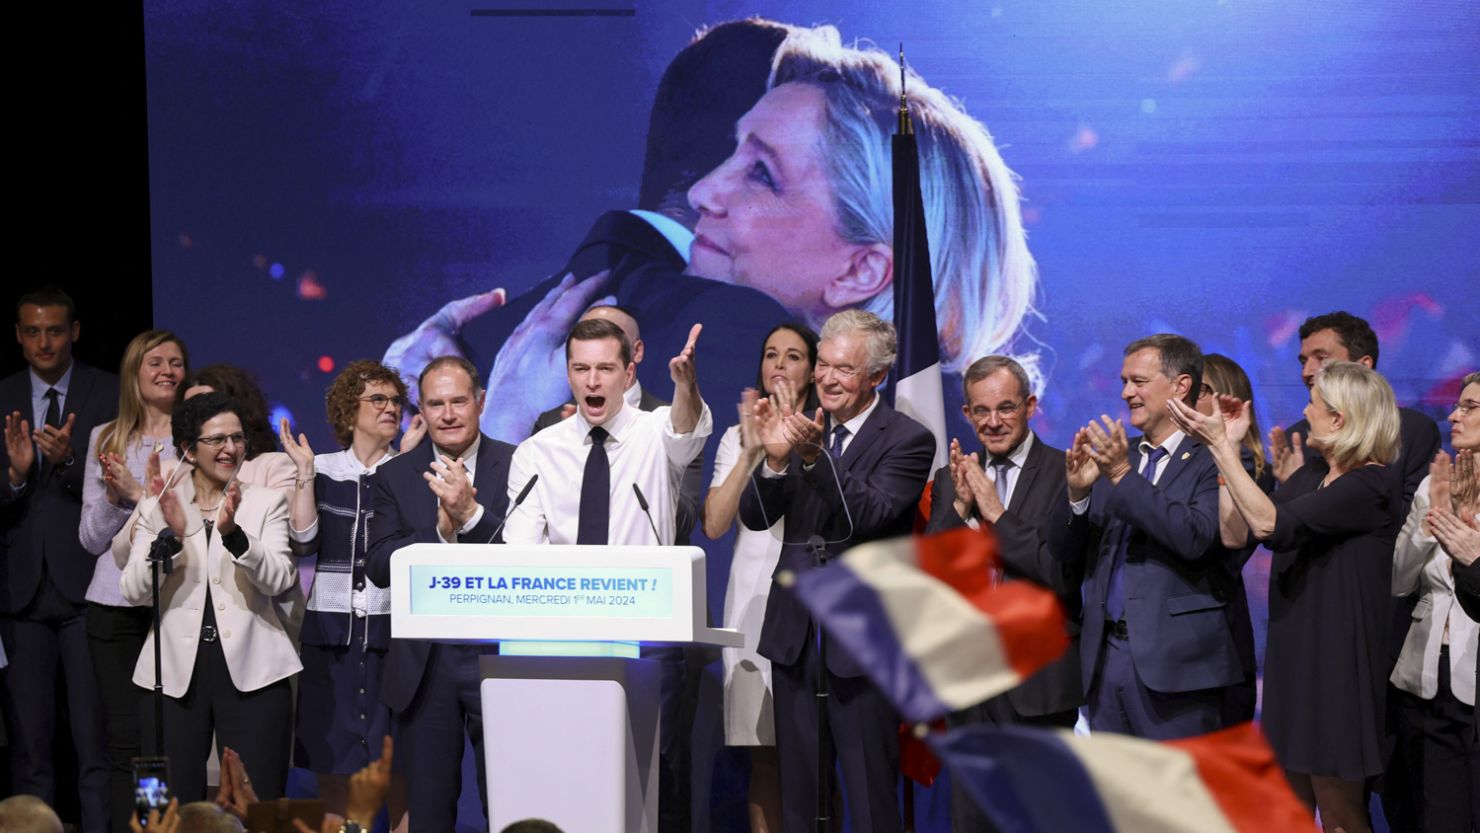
(785, 375)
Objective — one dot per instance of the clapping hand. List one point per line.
(118, 482)
(456, 496)
(1109, 448)
(964, 501)
(236, 793)
(1286, 454)
(1458, 535)
(230, 502)
(1079, 467)
(415, 431)
(56, 443)
(19, 447)
(298, 450)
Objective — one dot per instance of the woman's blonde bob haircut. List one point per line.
(1370, 432)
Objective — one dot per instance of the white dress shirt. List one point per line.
(643, 449)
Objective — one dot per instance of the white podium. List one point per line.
(570, 712)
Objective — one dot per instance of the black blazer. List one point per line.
(1185, 605)
(1022, 541)
(687, 511)
(40, 524)
(881, 475)
(406, 513)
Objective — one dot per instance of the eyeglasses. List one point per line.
(843, 371)
(1465, 406)
(1004, 411)
(218, 440)
(380, 401)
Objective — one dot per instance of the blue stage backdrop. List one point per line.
(326, 176)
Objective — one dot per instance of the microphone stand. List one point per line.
(822, 694)
(161, 555)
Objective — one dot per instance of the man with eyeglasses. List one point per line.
(848, 474)
(456, 491)
(44, 569)
(1166, 635)
(1011, 485)
(1343, 337)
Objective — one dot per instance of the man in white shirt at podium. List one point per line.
(611, 473)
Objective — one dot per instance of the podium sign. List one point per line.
(478, 593)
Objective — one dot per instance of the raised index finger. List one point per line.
(693, 336)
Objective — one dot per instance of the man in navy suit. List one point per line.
(1012, 487)
(862, 486)
(455, 493)
(1166, 632)
(44, 570)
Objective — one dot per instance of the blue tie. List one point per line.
(1115, 597)
(836, 449)
(1002, 464)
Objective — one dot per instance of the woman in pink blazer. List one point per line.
(225, 652)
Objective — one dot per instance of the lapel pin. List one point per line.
(1186, 454)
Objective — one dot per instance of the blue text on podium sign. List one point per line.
(577, 592)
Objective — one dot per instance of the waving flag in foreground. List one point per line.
(1040, 781)
(921, 615)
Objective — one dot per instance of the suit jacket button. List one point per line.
(225, 634)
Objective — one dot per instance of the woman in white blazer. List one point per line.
(1435, 674)
(225, 652)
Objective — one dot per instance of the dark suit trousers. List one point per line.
(966, 816)
(429, 737)
(258, 725)
(52, 630)
(1120, 702)
(1438, 751)
(865, 733)
(115, 636)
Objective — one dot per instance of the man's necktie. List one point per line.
(1002, 464)
(836, 447)
(53, 408)
(1115, 598)
(596, 490)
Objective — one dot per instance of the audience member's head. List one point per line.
(854, 352)
(532, 826)
(1335, 337)
(206, 817)
(28, 814)
(622, 317)
(1222, 376)
(349, 401)
(451, 403)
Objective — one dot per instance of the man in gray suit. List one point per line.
(1010, 485)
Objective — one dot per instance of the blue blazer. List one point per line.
(40, 524)
(1185, 608)
(881, 475)
(405, 513)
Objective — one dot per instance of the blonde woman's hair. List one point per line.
(985, 279)
(1370, 433)
(117, 435)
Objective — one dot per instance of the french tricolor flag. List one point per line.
(916, 389)
(925, 620)
(1040, 781)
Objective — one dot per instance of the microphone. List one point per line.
(819, 549)
(523, 493)
(164, 548)
(642, 501)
